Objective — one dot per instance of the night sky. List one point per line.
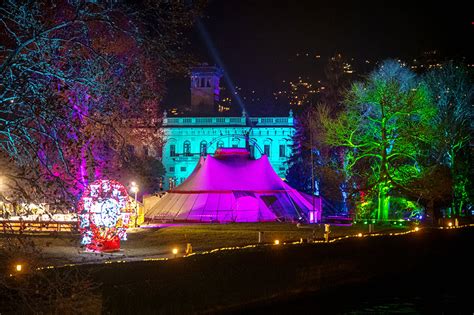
(259, 41)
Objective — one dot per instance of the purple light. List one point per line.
(231, 187)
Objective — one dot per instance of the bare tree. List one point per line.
(73, 76)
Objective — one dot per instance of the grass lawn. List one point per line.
(158, 241)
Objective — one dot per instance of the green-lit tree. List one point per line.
(453, 93)
(385, 128)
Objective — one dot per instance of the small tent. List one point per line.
(232, 187)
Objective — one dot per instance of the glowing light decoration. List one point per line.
(104, 215)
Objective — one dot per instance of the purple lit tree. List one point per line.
(75, 76)
(79, 82)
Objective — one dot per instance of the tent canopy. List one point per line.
(232, 187)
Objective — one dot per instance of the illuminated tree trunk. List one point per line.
(383, 187)
(383, 202)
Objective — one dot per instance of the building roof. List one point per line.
(231, 187)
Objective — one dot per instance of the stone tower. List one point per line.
(205, 88)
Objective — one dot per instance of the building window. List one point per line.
(187, 148)
(203, 148)
(183, 168)
(172, 169)
(235, 142)
(172, 149)
(282, 150)
(220, 144)
(266, 150)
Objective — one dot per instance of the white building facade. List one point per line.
(189, 138)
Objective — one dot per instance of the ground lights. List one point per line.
(416, 229)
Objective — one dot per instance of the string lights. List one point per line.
(231, 248)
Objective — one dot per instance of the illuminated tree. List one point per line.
(385, 127)
(453, 92)
(74, 75)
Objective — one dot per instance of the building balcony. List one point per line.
(229, 121)
(184, 158)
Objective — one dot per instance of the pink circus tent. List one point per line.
(232, 187)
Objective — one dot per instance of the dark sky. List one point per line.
(258, 40)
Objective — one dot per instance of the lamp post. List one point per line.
(134, 189)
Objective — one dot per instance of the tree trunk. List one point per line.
(383, 202)
(383, 187)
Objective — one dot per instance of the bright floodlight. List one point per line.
(417, 229)
(18, 267)
(277, 242)
(359, 235)
(450, 224)
(175, 251)
(134, 189)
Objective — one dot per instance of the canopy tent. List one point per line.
(232, 187)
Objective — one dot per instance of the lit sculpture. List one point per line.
(104, 215)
